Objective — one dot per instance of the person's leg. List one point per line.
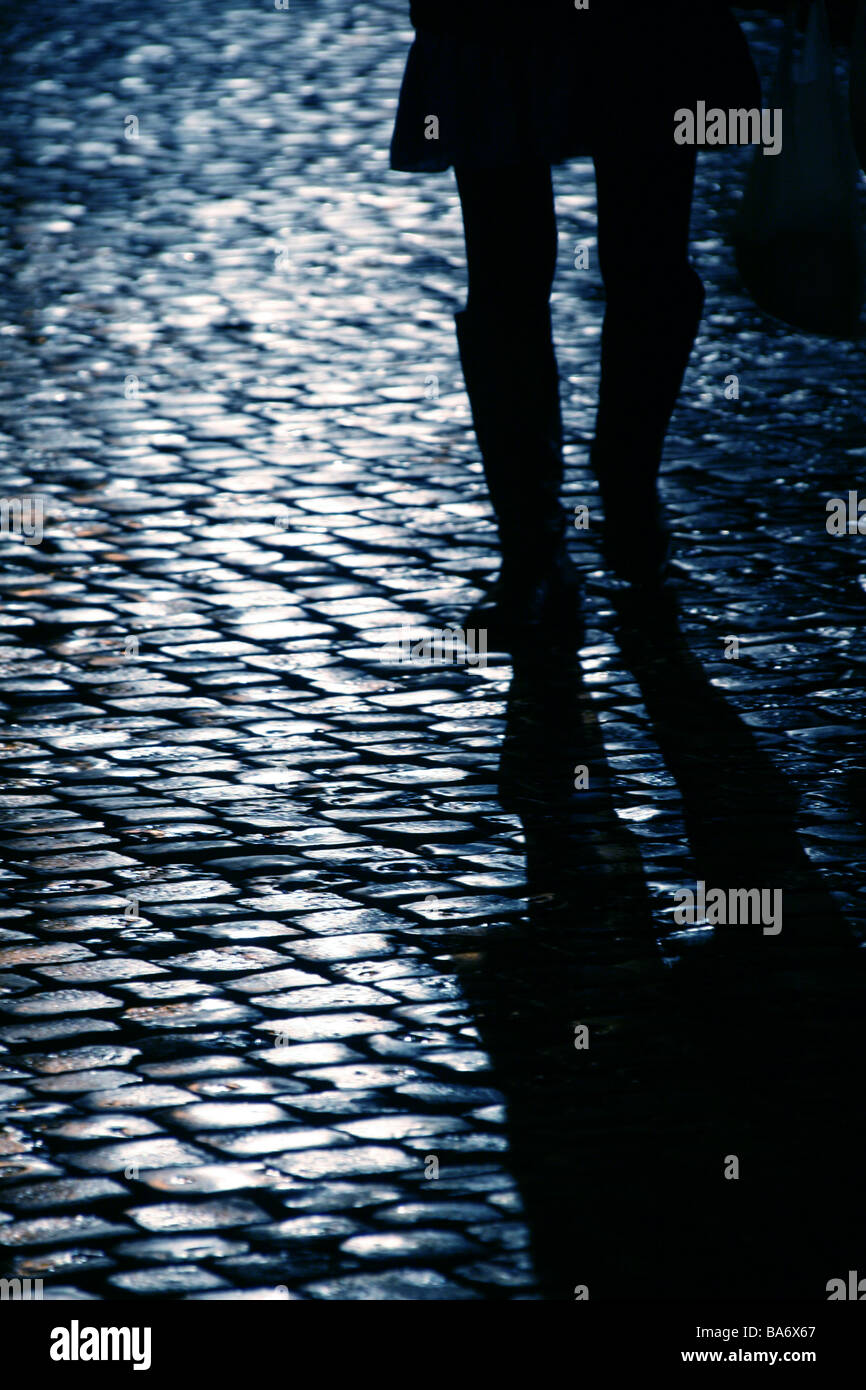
(509, 365)
(654, 303)
(654, 297)
(509, 223)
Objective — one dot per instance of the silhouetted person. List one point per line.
(500, 90)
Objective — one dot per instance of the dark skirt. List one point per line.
(486, 103)
(492, 101)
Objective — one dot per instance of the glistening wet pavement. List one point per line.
(296, 937)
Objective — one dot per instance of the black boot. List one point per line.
(513, 387)
(645, 351)
(636, 539)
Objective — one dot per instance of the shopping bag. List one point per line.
(857, 86)
(797, 237)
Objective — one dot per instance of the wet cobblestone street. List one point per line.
(295, 935)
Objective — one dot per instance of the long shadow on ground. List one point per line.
(742, 1056)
